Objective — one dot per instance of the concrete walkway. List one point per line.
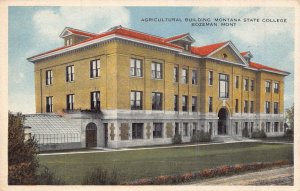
(100, 150)
(277, 176)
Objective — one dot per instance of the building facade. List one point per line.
(147, 88)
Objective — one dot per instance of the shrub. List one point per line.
(258, 134)
(101, 176)
(176, 139)
(289, 133)
(245, 132)
(201, 137)
(46, 177)
(22, 161)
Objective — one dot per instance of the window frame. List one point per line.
(49, 77)
(184, 99)
(267, 107)
(237, 81)
(276, 87)
(176, 103)
(251, 106)
(155, 106)
(133, 102)
(155, 74)
(176, 74)
(49, 104)
(95, 104)
(70, 102)
(158, 129)
(246, 106)
(194, 77)
(185, 78)
(70, 74)
(210, 77)
(276, 109)
(185, 129)
(252, 85)
(226, 83)
(268, 88)
(246, 84)
(236, 105)
(137, 130)
(194, 103)
(134, 69)
(95, 69)
(210, 104)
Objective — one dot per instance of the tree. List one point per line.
(290, 117)
(22, 161)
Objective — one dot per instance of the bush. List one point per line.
(22, 161)
(177, 139)
(101, 176)
(289, 133)
(46, 177)
(259, 134)
(245, 132)
(201, 137)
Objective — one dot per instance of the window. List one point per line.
(236, 105)
(246, 106)
(276, 125)
(268, 86)
(49, 104)
(252, 85)
(223, 85)
(251, 127)
(268, 127)
(194, 104)
(267, 107)
(176, 71)
(194, 129)
(136, 67)
(224, 56)
(185, 78)
(194, 77)
(156, 69)
(95, 101)
(136, 100)
(95, 68)
(276, 87)
(70, 73)
(246, 125)
(156, 101)
(184, 103)
(236, 128)
(175, 102)
(210, 78)
(69, 41)
(237, 79)
(210, 128)
(177, 129)
(186, 129)
(210, 104)
(157, 130)
(70, 101)
(137, 130)
(251, 106)
(246, 84)
(49, 77)
(276, 108)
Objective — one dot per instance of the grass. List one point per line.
(138, 164)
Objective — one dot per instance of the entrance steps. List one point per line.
(228, 138)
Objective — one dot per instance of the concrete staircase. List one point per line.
(228, 139)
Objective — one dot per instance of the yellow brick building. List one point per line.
(126, 88)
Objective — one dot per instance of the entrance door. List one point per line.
(91, 135)
(222, 122)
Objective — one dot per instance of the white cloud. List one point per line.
(49, 23)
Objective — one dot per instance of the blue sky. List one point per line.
(34, 30)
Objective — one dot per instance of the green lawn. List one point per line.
(148, 163)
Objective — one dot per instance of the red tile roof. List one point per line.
(263, 67)
(244, 53)
(124, 32)
(206, 50)
(175, 37)
(79, 32)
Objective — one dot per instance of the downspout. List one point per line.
(41, 89)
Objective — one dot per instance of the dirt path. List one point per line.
(278, 176)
